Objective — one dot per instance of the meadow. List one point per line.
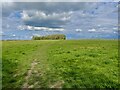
(60, 64)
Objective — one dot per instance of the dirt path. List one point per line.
(40, 58)
(26, 85)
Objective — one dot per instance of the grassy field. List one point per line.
(60, 64)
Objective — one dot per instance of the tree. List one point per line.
(50, 37)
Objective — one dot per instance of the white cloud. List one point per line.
(1, 34)
(36, 35)
(78, 30)
(114, 32)
(115, 28)
(24, 27)
(30, 15)
(13, 35)
(47, 7)
(92, 30)
(99, 25)
(42, 19)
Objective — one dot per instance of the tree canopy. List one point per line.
(50, 37)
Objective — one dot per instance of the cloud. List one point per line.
(115, 28)
(13, 35)
(42, 14)
(36, 35)
(47, 7)
(41, 19)
(40, 28)
(78, 30)
(92, 30)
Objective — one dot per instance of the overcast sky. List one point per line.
(77, 20)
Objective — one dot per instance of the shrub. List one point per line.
(50, 37)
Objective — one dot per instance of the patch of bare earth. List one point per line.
(29, 73)
(57, 84)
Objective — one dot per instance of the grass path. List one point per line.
(38, 67)
(37, 58)
(25, 85)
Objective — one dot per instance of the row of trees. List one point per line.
(50, 37)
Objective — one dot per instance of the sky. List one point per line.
(77, 20)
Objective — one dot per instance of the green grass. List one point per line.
(61, 63)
